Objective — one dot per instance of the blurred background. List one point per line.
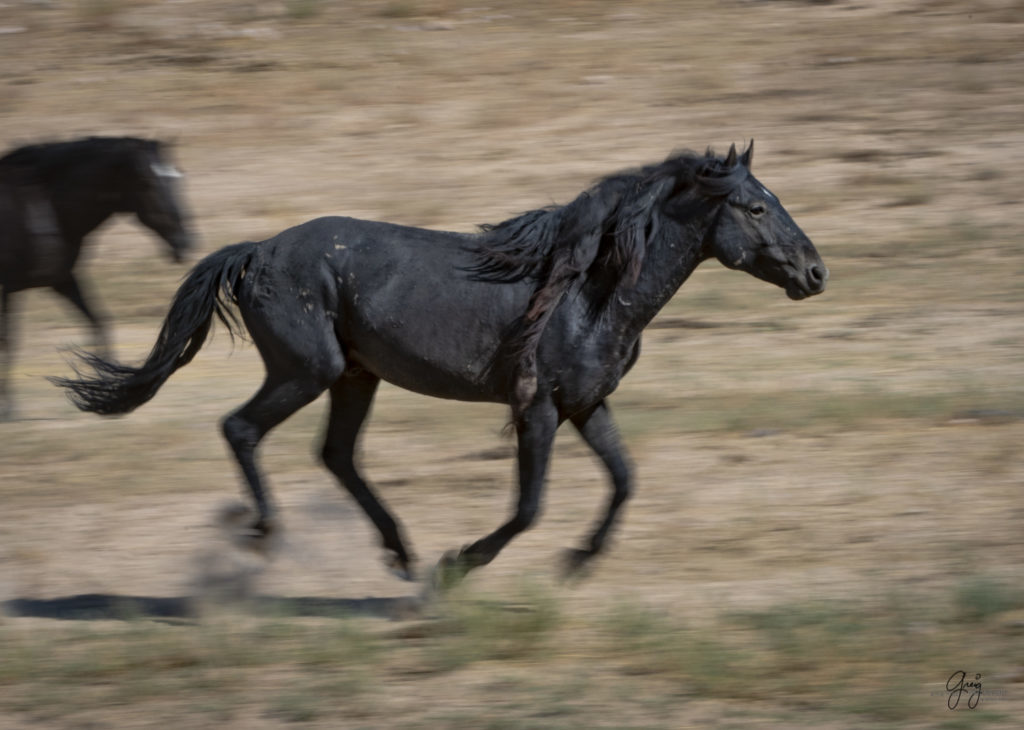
(828, 516)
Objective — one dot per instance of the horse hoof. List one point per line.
(262, 538)
(235, 515)
(401, 567)
(257, 543)
(575, 563)
(449, 572)
(266, 527)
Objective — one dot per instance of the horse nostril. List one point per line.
(817, 275)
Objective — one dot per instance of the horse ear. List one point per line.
(748, 155)
(730, 159)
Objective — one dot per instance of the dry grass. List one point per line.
(828, 510)
(522, 663)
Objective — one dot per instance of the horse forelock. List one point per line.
(707, 175)
(719, 181)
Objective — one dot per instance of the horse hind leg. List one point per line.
(244, 428)
(351, 396)
(300, 366)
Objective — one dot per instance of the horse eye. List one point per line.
(757, 210)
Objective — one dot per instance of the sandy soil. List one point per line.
(861, 442)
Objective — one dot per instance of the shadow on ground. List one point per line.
(98, 606)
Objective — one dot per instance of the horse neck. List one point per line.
(676, 250)
(80, 211)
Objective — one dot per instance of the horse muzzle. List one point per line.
(809, 282)
(181, 245)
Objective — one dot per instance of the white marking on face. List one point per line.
(767, 192)
(162, 170)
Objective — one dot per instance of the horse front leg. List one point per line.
(6, 355)
(535, 432)
(598, 430)
(70, 290)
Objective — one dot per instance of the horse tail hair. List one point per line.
(211, 288)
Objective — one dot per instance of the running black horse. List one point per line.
(543, 312)
(53, 195)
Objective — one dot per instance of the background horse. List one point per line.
(53, 195)
(544, 312)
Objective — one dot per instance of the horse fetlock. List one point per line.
(400, 564)
(261, 537)
(267, 526)
(575, 562)
(451, 569)
(235, 514)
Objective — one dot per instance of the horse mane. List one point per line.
(621, 204)
(608, 226)
(50, 157)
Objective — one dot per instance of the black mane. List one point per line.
(49, 157)
(622, 204)
(610, 225)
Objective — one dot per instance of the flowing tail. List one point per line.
(211, 288)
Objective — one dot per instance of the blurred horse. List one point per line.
(543, 312)
(53, 195)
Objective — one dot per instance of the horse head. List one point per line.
(754, 233)
(156, 195)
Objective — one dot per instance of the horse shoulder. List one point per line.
(583, 359)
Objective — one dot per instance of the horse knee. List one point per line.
(329, 455)
(622, 483)
(239, 433)
(336, 458)
(622, 490)
(525, 516)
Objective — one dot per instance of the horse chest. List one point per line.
(592, 374)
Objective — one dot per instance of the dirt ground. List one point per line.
(858, 446)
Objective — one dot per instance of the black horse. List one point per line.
(53, 195)
(543, 312)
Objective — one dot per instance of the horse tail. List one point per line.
(210, 289)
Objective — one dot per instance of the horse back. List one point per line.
(396, 298)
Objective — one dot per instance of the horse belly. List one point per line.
(453, 378)
(436, 356)
(407, 312)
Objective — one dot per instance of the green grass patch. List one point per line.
(83, 667)
(474, 628)
(702, 662)
(740, 411)
(886, 657)
(303, 9)
(398, 10)
(521, 662)
(980, 598)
